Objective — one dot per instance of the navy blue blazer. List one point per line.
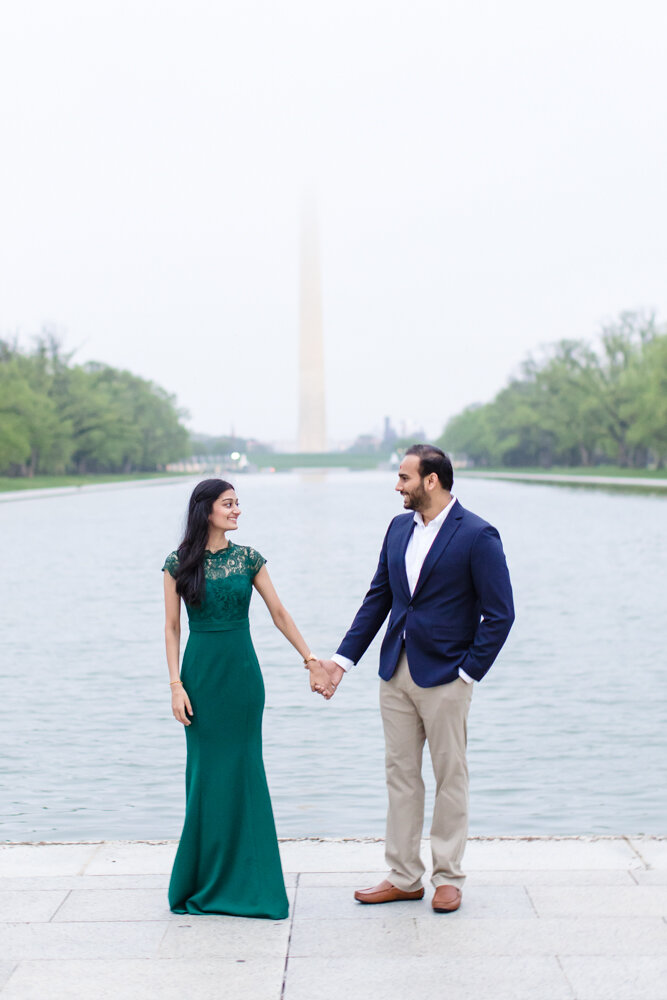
(460, 613)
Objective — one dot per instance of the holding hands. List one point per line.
(325, 676)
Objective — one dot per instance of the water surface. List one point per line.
(568, 732)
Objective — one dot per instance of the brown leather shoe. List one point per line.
(446, 899)
(385, 892)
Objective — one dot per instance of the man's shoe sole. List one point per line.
(389, 897)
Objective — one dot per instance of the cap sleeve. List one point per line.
(255, 561)
(171, 564)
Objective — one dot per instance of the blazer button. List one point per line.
(410, 608)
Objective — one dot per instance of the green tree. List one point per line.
(470, 434)
(55, 416)
(646, 411)
(608, 375)
(28, 412)
(17, 403)
(580, 404)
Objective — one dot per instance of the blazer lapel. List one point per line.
(442, 540)
(407, 527)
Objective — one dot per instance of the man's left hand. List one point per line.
(334, 670)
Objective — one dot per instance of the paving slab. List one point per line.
(44, 859)
(562, 877)
(601, 901)
(240, 938)
(568, 936)
(651, 877)
(172, 979)
(652, 850)
(69, 882)
(460, 937)
(87, 905)
(31, 905)
(6, 970)
(132, 859)
(350, 880)
(79, 941)
(390, 934)
(332, 855)
(549, 853)
(645, 978)
(382, 978)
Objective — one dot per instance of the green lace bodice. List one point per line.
(229, 574)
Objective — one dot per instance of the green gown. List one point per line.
(227, 859)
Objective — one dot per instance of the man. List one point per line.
(443, 580)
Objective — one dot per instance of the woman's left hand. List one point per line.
(320, 680)
(180, 704)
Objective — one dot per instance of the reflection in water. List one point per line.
(568, 733)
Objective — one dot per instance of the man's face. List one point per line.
(410, 484)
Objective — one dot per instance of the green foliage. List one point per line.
(581, 405)
(57, 418)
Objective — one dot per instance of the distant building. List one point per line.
(390, 437)
(373, 444)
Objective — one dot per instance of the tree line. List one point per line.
(582, 404)
(59, 417)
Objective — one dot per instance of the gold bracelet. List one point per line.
(307, 660)
(171, 683)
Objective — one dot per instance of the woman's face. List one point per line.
(225, 512)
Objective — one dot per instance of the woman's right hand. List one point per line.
(320, 680)
(180, 704)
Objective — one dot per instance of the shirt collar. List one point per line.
(436, 523)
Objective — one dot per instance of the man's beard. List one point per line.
(417, 500)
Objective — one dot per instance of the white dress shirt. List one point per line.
(421, 540)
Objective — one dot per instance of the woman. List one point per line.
(227, 859)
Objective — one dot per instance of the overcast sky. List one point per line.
(491, 177)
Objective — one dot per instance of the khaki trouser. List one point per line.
(411, 715)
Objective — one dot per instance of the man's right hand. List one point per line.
(334, 670)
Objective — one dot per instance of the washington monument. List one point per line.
(312, 421)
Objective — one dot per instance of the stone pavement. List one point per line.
(542, 918)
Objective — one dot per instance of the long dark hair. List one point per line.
(190, 572)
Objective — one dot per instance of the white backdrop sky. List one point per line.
(491, 177)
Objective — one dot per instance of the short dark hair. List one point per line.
(432, 459)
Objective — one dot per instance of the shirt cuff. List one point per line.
(464, 677)
(342, 661)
